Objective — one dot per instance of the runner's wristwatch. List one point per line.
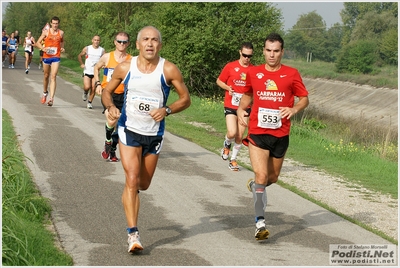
(168, 110)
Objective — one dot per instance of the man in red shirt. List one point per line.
(233, 81)
(272, 88)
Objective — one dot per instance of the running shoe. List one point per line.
(225, 151)
(134, 242)
(9, 66)
(113, 157)
(261, 232)
(50, 102)
(107, 149)
(27, 71)
(12, 66)
(43, 99)
(233, 165)
(249, 184)
(84, 96)
(89, 105)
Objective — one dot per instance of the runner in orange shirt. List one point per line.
(54, 40)
(109, 61)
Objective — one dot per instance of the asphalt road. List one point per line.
(196, 212)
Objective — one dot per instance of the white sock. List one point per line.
(235, 150)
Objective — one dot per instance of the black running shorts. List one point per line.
(233, 111)
(276, 146)
(149, 144)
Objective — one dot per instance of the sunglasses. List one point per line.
(247, 56)
(122, 41)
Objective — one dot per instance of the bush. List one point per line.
(357, 58)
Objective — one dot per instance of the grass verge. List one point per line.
(386, 76)
(25, 212)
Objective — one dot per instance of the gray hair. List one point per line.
(151, 27)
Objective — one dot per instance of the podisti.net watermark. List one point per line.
(368, 254)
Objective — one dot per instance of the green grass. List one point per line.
(385, 76)
(351, 161)
(25, 213)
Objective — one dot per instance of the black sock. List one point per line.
(109, 132)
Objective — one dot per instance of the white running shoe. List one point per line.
(89, 105)
(134, 242)
(261, 232)
(84, 96)
(225, 151)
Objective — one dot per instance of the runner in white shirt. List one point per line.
(92, 55)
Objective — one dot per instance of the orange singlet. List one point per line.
(108, 71)
(53, 44)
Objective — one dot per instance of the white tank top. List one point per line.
(28, 44)
(92, 57)
(145, 92)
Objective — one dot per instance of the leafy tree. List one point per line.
(309, 35)
(209, 35)
(333, 42)
(294, 41)
(355, 11)
(90, 17)
(28, 16)
(372, 25)
(389, 46)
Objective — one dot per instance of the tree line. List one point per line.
(366, 39)
(201, 37)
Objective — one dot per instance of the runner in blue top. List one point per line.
(11, 49)
(4, 39)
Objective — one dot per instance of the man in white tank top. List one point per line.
(92, 55)
(148, 79)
